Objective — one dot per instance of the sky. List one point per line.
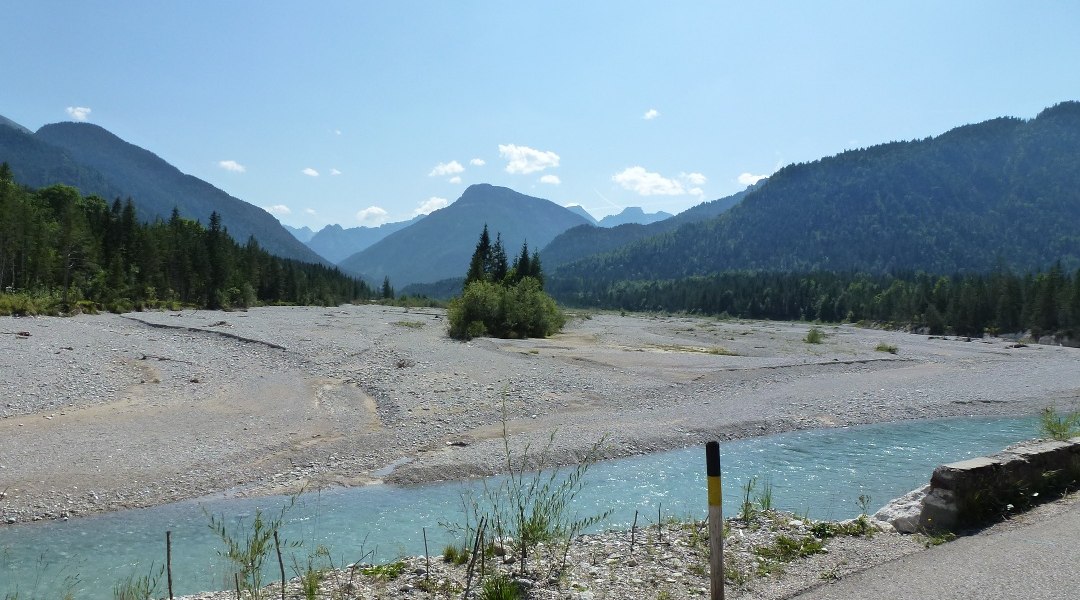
(361, 113)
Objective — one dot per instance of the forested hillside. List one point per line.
(1004, 192)
(61, 251)
(99, 163)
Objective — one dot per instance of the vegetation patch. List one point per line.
(814, 336)
(883, 347)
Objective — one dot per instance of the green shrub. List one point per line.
(883, 347)
(814, 336)
(519, 310)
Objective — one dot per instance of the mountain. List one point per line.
(583, 241)
(580, 210)
(1002, 193)
(439, 246)
(301, 233)
(98, 162)
(38, 164)
(335, 243)
(633, 214)
(6, 122)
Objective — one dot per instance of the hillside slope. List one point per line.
(98, 162)
(1005, 192)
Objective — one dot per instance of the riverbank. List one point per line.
(105, 412)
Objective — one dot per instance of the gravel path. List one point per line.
(105, 412)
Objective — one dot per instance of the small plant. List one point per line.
(883, 347)
(939, 539)
(1057, 426)
(387, 572)
(247, 547)
(814, 336)
(864, 504)
(747, 510)
(499, 587)
(409, 324)
(765, 497)
(455, 554)
(787, 549)
(139, 587)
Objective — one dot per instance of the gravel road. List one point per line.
(103, 412)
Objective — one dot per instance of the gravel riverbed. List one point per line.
(106, 412)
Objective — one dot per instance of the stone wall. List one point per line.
(980, 490)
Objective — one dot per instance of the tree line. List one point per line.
(69, 251)
(1043, 302)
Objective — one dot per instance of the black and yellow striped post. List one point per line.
(716, 520)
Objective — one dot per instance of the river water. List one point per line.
(818, 472)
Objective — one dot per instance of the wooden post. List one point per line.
(168, 560)
(660, 522)
(281, 563)
(716, 520)
(427, 557)
(633, 531)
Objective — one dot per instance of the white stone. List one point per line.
(903, 513)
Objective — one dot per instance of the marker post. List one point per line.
(716, 520)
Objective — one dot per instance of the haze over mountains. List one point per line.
(1003, 193)
(97, 162)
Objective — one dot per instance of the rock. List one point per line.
(903, 513)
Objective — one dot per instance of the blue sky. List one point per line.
(359, 113)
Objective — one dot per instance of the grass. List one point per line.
(883, 347)
(409, 324)
(499, 587)
(787, 548)
(387, 572)
(140, 587)
(814, 336)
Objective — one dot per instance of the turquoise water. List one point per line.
(819, 472)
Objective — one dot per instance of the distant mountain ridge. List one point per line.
(98, 162)
(633, 214)
(439, 245)
(336, 243)
(584, 241)
(1002, 193)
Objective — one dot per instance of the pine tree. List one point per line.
(480, 258)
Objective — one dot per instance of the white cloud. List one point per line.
(524, 160)
(432, 204)
(454, 179)
(310, 172)
(335, 172)
(750, 178)
(552, 179)
(232, 165)
(278, 209)
(696, 192)
(310, 211)
(477, 162)
(79, 113)
(646, 183)
(337, 132)
(650, 114)
(451, 168)
(693, 178)
(373, 215)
